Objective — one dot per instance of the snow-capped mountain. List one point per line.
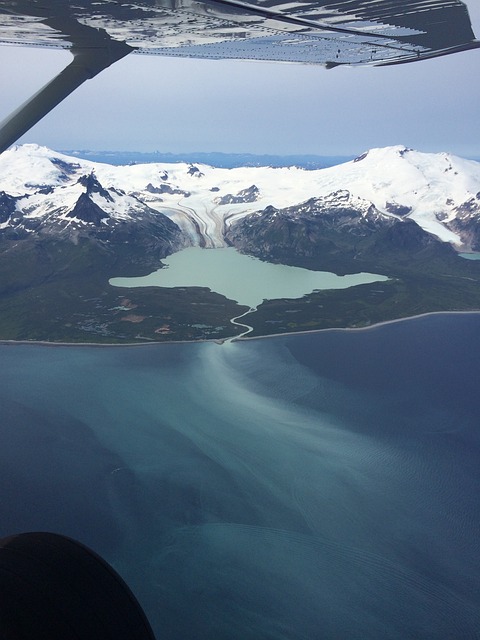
(343, 227)
(41, 189)
(59, 199)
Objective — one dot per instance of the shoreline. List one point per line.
(220, 341)
(370, 326)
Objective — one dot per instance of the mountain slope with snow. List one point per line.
(440, 192)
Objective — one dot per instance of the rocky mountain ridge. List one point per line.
(49, 193)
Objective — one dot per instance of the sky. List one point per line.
(149, 103)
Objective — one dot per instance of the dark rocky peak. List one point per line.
(468, 209)
(332, 205)
(265, 216)
(467, 223)
(87, 211)
(250, 194)
(194, 171)
(268, 211)
(92, 185)
(341, 211)
(164, 176)
(308, 228)
(166, 188)
(341, 196)
(8, 204)
(151, 189)
(397, 209)
(404, 151)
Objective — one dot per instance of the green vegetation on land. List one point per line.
(59, 292)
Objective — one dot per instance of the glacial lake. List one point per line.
(473, 255)
(238, 277)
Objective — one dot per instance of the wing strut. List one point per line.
(92, 52)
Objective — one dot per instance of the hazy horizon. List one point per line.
(232, 153)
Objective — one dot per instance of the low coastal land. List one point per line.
(63, 297)
(101, 345)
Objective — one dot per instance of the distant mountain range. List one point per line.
(45, 192)
(213, 158)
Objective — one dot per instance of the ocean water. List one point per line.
(316, 486)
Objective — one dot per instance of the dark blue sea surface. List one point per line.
(322, 486)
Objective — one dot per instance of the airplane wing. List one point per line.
(327, 32)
